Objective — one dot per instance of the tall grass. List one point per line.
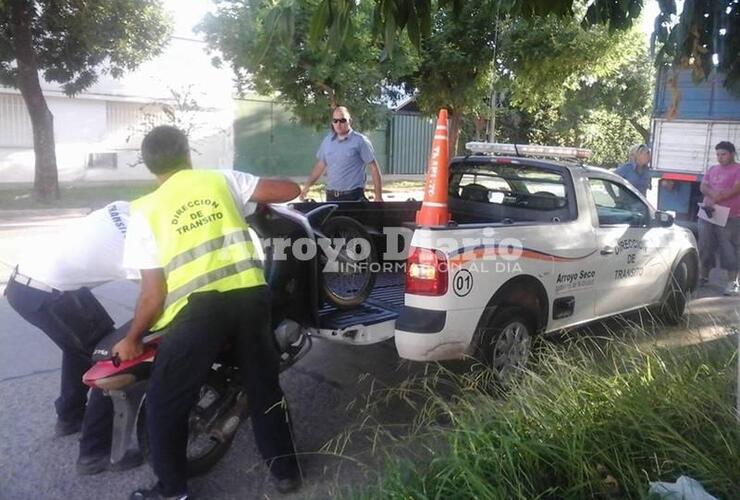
(593, 419)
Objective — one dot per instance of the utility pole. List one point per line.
(492, 121)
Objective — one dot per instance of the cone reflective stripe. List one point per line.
(434, 210)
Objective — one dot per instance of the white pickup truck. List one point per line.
(536, 246)
(533, 246)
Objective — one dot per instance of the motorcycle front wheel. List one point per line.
(348, 277)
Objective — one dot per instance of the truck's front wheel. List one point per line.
(673, 305)
(504, 342)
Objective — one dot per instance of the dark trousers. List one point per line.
(725, 241)
(188, 349)
(75, 321)
(353, 195)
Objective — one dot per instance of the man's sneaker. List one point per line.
(287, 484)
(67, 427)
(131, 459)
(87, 466)
(154, 493)
(732, 288)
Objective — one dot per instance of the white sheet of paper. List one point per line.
(719, 217)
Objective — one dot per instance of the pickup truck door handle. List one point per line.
(607, 250)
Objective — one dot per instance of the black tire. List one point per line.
(673, 304)
(201, 462)
(350, 285)
(503, 342)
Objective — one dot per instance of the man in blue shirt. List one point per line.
(636, 171)
(343, 155)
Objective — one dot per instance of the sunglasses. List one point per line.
(339, 120)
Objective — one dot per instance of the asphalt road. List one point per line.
(328, 392)
(325, 391)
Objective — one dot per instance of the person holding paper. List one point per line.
(721, 190)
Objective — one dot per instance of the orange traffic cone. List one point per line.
(434, 207)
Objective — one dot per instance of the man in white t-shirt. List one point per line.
(50, 288)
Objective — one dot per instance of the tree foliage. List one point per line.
(557, 81)
(71, 42)
(74, 41)
(691, 42)
(603, 103)
(414, 16)
(543, 58)
(455, 64)
(706, 33)
(271, 51)
(560, 81)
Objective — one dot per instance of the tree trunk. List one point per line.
(645, 133)
(46, 183)
(454, 130)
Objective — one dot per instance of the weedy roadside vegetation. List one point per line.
(594, 417)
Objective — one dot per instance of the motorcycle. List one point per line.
(297, 286)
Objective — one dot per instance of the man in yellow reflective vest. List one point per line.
(202, 282)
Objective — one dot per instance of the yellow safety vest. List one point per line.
(203, 241)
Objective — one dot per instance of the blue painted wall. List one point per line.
(707, 100)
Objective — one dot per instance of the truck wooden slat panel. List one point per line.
(688, 146)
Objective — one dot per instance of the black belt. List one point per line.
(332, 192)
(30, 282)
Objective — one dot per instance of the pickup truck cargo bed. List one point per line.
(374, 320)
(382, 305)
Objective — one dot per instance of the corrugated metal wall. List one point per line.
(268, 141)
(409, 143)
(15, 126)
(127, 122)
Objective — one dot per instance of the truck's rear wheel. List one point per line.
(673, 305)
(504, 342)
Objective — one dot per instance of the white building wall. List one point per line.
(109, 118)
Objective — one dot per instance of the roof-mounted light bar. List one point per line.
(528, 150)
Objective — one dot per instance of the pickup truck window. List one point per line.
(517, 186)
(615, 204)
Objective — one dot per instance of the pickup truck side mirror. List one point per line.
(663, 219)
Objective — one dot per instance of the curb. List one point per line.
(40, 212)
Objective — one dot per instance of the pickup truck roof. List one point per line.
(548, 164)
